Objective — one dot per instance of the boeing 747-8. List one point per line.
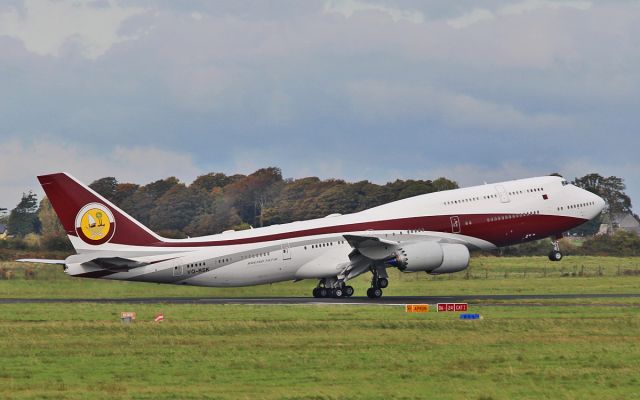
(430, 233)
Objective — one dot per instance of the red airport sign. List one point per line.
(455, 307)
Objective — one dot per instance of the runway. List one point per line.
(386, 300)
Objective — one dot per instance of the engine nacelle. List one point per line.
(456, 258)
(431, 257)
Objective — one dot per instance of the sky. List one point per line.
(378, 90)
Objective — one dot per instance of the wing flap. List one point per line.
(372, 247)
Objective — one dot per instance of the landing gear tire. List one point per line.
(555, 255)
(348, 291)
(383, 283)
(316, 293)
(374, 293)
(338, 292)
(323, 292)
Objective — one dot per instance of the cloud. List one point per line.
(481, 14)
(21, 162)
(47, 27)
(348, 8)
(354, 89)
(395, 101)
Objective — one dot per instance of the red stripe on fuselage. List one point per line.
(503, 230)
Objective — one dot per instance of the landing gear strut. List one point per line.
(332, 288)
(379, 281)
(556, 254)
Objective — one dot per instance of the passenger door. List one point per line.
(502, 194)
(455, 224)
(286, 252)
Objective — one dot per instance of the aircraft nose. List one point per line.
(600, 203)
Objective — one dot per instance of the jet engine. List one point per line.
(432, 257)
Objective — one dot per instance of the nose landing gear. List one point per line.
(555, 254)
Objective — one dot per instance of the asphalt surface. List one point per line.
(385, 300)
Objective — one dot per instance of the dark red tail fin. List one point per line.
(91, 220)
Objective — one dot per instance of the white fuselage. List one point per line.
(480, 217)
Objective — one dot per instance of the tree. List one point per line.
(123, 193)
(141, 202)
(611, 189)
(49, 222)
(176, 209)
(441, 184)
(209, 181)
(4, 215)
(300, 199)
(24, 218)
(218, 216)
(54, 236)
(621, 244)
(254, 193)
(106, 187)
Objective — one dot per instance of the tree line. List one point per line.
(216, 202)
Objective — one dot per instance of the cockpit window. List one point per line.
(564, 183)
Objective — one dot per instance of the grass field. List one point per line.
(486, 275)
(563, 351)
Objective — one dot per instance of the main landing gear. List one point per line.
(556, 254)
(378, 282)
(332, 288)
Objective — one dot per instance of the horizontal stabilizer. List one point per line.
(41, 261)
(116, 263)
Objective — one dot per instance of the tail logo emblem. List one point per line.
(95, 224)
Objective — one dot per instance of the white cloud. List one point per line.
(45, 27)
(386, 101)
(21, 162)
(477, 15)
(350, 7)
(532, 5)
(481, 14)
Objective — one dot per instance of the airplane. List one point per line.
(430, 233)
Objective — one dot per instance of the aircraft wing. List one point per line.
(372, 247)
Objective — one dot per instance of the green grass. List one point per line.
(564, 351)
(486, 275)
(317, 352)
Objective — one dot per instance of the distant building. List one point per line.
(627, 222)
(3, 231)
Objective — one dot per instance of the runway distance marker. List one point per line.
(454, 307)
(416, 308)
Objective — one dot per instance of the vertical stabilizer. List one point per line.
(91, 221)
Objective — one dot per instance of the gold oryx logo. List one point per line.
(95, 224)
